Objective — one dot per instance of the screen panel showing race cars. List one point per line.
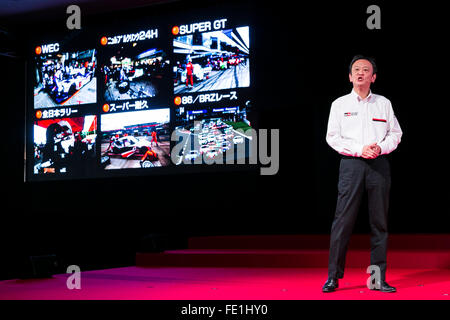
(141, 98)
(212, 60)
(134, 74)
(134, 65)
(137, 139)
(212, 134)
(66, 78)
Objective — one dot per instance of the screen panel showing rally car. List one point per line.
(212, 61)
(66, 145)
(207, 133)
(65, 79)
(137, 139)
(133, 72)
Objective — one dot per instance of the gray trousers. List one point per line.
(356, 176)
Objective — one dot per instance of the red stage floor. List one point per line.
(198, 283)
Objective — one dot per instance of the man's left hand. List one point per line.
(376, 148)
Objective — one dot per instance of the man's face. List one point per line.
(362, 73)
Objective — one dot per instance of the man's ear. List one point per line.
(374, 76)
(350, 77)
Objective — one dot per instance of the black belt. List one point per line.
(361, 158)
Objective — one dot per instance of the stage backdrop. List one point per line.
(300, 58)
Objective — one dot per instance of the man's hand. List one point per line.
(376, 148)
(371, 151)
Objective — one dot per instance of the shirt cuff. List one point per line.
(354, 150)
(358, 150)
(382, 147)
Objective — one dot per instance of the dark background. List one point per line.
(301, 54)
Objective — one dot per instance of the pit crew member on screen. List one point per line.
(189, 73)
(154, 138)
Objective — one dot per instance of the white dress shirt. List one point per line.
(355, 122)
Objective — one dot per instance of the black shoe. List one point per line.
(385, 287)
(330, 285)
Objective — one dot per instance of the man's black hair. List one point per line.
(359, 57)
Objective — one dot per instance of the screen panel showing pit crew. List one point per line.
(137, 139)
(65, 146)
(214, 60)
(208, 133)
(64, 78)
(133, 69)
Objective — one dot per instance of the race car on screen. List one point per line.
(62, 90)
(129, 147)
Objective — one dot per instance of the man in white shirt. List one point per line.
(362, 127)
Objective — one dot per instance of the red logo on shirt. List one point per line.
(348, 114)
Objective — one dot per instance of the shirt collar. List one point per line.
(358, 98)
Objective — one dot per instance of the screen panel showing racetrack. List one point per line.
(139, 99)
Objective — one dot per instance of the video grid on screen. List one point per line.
(112, 100)
(137, 139)
(65, 79)
(213, 60)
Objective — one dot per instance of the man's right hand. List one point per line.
(368, 152)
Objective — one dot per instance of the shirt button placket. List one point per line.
(366, 122)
